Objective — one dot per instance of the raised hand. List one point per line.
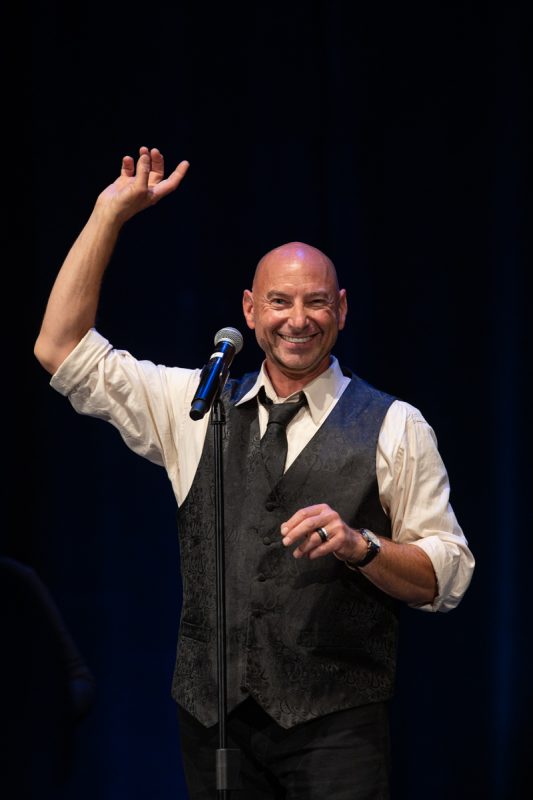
(72, 305)
(140, 185)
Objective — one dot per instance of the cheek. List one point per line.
(327, 320)
(266, 322)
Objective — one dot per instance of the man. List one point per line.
(317, 558)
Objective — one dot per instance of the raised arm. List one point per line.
(73, 302)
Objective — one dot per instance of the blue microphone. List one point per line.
(228, 342)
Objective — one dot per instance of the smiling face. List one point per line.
(296, 309)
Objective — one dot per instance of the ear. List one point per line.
(343, 308)
(248, 308)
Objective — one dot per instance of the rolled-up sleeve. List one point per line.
(415, 493)
(145, 402)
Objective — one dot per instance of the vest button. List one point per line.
(266, 540)
(271, 505)
(261, 577)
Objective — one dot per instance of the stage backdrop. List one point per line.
(396, 138)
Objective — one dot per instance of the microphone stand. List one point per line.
(227, 759)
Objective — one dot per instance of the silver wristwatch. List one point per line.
(373, 548)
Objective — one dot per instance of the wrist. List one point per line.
(107, 217)
(368, 548)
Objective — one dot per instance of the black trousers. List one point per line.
(341, 756)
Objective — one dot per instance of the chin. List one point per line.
(298, 369)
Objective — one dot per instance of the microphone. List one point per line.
(228, 342)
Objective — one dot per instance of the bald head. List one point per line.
(296, 309)
(292, 256)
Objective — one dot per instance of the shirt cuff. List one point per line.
(452, 576)
(79, 362)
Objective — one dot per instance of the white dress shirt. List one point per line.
(149, 404)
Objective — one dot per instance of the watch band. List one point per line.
(373, 548)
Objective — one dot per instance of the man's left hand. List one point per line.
(301, 529)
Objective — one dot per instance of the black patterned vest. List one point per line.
(304, 638)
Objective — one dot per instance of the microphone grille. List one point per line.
(231, 335)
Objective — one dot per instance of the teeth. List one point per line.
(295, 339)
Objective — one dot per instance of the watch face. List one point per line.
(371, 537)
(374, 539)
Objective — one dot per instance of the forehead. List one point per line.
(288, 269)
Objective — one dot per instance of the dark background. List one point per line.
(396, 138)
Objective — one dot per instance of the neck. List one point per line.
(286, 383)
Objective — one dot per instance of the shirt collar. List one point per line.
(320, 392)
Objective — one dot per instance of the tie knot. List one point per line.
(281, 413)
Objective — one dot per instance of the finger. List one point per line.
(157, 171)
(312, 546)
(305, 529)
(143, 170)
(173, 181)
(302, 515)
(128, 167)
(309, 524)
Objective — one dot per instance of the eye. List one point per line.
(278, 301)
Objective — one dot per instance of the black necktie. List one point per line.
(274, 441)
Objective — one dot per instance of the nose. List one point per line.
(298, 316)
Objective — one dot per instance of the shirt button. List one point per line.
(261, 577)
